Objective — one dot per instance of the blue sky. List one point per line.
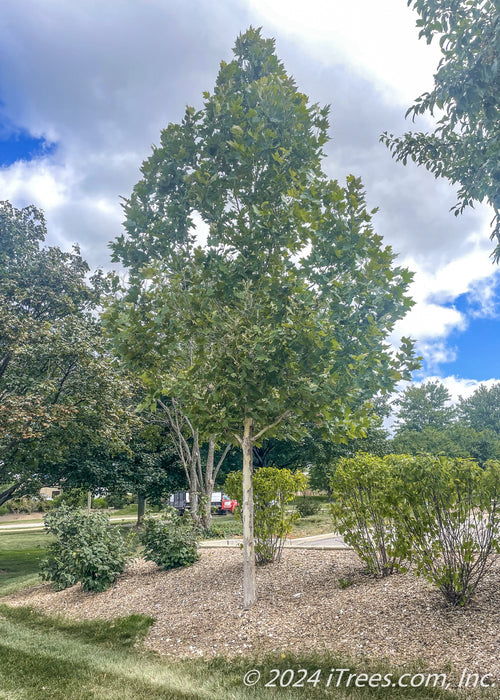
(85, 90)
(21, 145)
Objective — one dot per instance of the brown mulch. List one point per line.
(312, 600)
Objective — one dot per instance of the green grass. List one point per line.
(20, 555)
(50, 657)
(61, 659)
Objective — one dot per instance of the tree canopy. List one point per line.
(282, 315)
(428, 405)
(465, 145)
(60, 391)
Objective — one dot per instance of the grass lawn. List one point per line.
(48, 657)
(20, 555)
(60, 659)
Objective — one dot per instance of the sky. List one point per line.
(85, 89)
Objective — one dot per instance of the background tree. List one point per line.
(465, 145)
(482, 409)
(457, 440)
(281, 318)
(424, 406)
(61, 393)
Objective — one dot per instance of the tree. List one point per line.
(281, 318)
(424, 406)
(465, 145)
(458, 440)
(61, 394)
(482, 409)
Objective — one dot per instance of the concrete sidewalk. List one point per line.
(38, 525)
(329, 541)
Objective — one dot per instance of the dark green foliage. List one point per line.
(72, 498)
(87, 550)
(273, 490)
(63, 399)
(450, 519)
(170, 542)
(307, 507)
(365, 514)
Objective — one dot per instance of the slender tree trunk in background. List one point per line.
(249, 586)
(208, 486)
(194, 487)
(141, 508)
(89, 501)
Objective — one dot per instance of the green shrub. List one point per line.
(119, 500)
(3, 510)
(171, 541)
(366, 513)
(451, 519)
(99, 503)
(222, 529)
(73, 498)
(24, 504)
(307, 507)
(273, 490)
(87, 550)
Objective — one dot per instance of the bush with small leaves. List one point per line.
(273, 490)
(88, 549)
(307, 507)
(99, 503)
(451, 519)
(172, 541)
(364, 512)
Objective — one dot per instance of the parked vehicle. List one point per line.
(221, 503)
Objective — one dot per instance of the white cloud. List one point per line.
(102, 80)
(459, 387)
(378, 39)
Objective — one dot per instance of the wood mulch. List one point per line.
(311, 600)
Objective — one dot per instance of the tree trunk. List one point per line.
(141, 509)
(249, 587)
(8, 494)
(208, 486)
(89, 501)
(193, 480)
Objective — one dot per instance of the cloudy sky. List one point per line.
(85, 88)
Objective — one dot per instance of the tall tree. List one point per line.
(60, 391)
(427, 405)
(465, 145)
(481, 410)
(281, 318)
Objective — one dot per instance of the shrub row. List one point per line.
(89, 550)
(441, 514)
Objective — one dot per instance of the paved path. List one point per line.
(330, 541)
(38, 525)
